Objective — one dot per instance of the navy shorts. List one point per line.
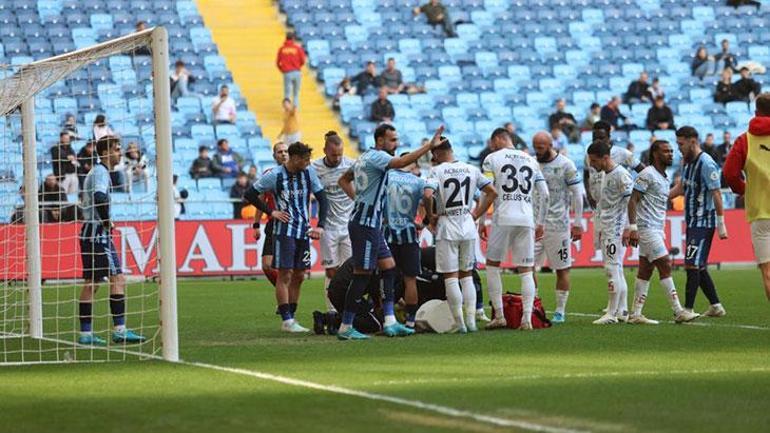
(407, 258)
(269, 245)
(368, 245)
(98, 255)
(290, 253)
(698, 246)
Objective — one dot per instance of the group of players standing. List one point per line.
(369, 210)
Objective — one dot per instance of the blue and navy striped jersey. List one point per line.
(371, 183)
(405, 191)
(700, 177)
(97, 180)
(292, 194)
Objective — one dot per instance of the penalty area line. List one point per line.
(416, 404)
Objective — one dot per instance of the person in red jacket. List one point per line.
(751, 155)
(291, 58)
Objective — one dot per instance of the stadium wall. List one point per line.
(227, 248)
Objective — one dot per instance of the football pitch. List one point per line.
(241, 374)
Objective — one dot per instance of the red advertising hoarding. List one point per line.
(227, 247)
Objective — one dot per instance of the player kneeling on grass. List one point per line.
(292, 184)
(455, 227)
(515, 228)
(647, 219)
(98, 253)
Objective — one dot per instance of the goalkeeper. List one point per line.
(98, 253)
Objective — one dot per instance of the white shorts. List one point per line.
(613, 250)
(520, 240)
(335, 249)
(557, 248)
(454, 256)
(652, 245)
(760, 237)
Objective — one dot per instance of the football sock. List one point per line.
(292, 308)
(85, 309)
(411, 312)
(561, 300)
(641, 287)
(527, 296)
(388, 281)
(329, 306)
(455, 299)
(285, 311)
(479, 296)
(469, 300)
(495, 288)
(622, 293)
(118, 311)
(272, 276)
(691, 288)
(613, 285)
(673, 298)
(353, 299)
(708, 287)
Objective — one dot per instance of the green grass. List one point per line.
(578, 376)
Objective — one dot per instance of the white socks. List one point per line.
(469, 301)
(119, 328)
(673, 298)
(613, 289)
(329, 306)
(495, 289)
(561, 300)
(622, 293)
(527, 296)
(641, 288)
(455, 299)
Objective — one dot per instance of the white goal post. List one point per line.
(18, 91)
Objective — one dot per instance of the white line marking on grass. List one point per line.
(709, 324)
(417, 404)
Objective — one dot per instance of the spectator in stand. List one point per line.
(660, 116)
(65, 164)
(86, 161)
(53, 202)
(180, 79)
(710, 147)
(725, 59)
(518, 142)
(738, 3)
(237, 192)
(223, 107)
(290, 132)
(226, 162)
(252, 173)
(703, 64)
(143, 50)
(437, 14)
(564, 121)
(656, 89)
(135, 167)
(594, 115)
(724, 92)
(101, 128)
(71, 126)
(180, 195)
(201, 167)
(724, 148)
(367, 79)
(393, 80)
(291, 57)
(344, 88)
(746, 89)
(611, 113)
(638, 91)
(382, 109)
(559, 139)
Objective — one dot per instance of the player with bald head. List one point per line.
(565, 191)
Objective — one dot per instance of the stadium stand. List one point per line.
(36, 29)
(512, 59)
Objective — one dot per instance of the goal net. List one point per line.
(54, 245)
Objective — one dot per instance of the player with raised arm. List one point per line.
(703, 212)
(292, 184)
(366, 183)
(455, 228)
(280, 155)
(646, 224)
(98, 254)
(612, 207)
(406, 191)
(335, 242)
(565, 190)
(515, 227)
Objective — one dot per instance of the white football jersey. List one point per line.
(622, 157)
(654, 187)
(455, 184)
(560, 174)
(613, 206)
(340, 205)
(515, 175)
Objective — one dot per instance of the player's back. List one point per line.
(613, 206)
(340, 205)
(405, 191)
(370, 183)
(559, 173)
(455, 183)
(651, 211)
(515, 175)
